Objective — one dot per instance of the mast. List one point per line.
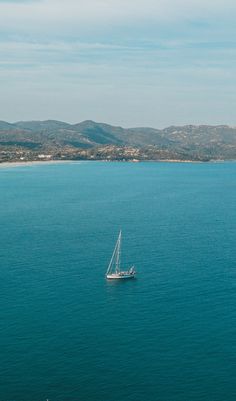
(118, 253)
(115, 259)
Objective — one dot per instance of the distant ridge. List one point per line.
(196, 142)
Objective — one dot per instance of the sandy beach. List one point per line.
(35, 163)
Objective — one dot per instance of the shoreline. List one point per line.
(35, 163)
(50, 162)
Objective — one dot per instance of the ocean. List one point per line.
(67, 334)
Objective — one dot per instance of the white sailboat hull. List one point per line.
(120, 276)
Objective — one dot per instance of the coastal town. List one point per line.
(107, 153)
(100, 153)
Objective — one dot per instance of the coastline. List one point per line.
(50, 162)
(36, 163)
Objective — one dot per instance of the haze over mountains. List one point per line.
(202, 142)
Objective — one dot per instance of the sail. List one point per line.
(114, 264)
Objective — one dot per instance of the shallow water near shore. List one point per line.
(66, 333)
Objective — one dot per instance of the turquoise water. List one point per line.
(67, 334)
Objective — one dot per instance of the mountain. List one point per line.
(194, 142)
(48, 125)
(7, 126)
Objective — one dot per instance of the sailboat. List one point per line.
(114, 270)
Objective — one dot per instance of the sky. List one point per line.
(125, 62)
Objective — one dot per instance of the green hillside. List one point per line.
(191, 142)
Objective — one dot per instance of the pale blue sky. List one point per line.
(125, 62)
